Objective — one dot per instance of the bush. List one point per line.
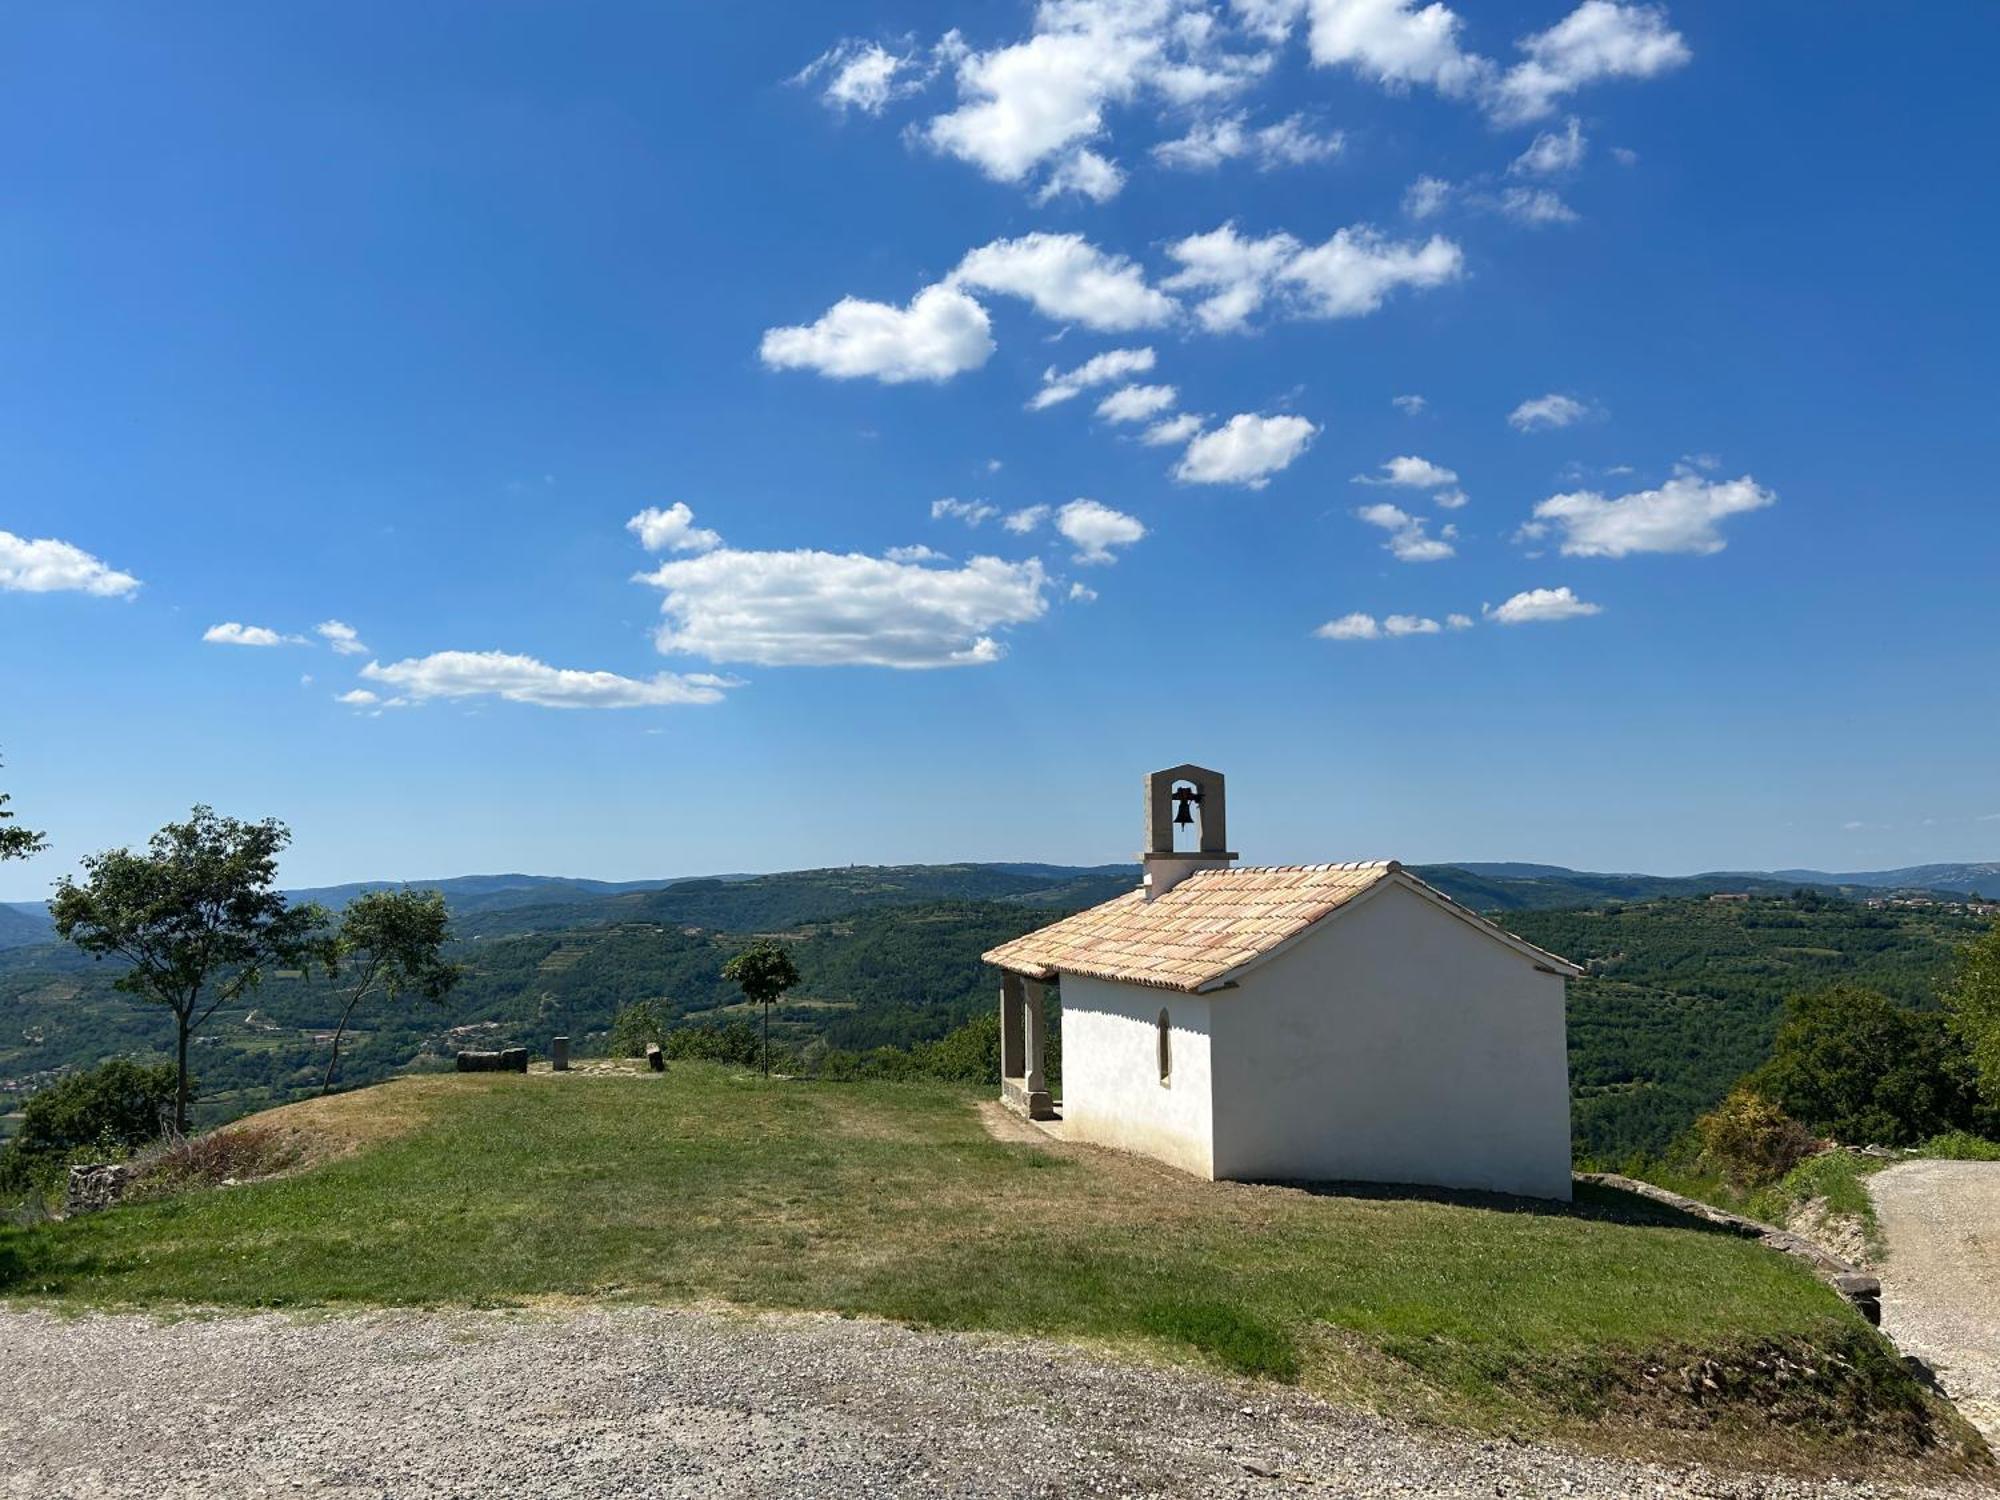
(237, 1154)
(1751, 1141)
(104, 1112)
(634, 1028)
(1960, 1145)
(735, 1043)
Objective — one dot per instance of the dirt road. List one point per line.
(1941, 1283)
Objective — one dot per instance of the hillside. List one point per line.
(1604, 1321)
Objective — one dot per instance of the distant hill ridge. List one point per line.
(489, 905)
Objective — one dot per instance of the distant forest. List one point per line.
(1681, 998)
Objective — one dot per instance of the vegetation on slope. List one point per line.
(892, 1200)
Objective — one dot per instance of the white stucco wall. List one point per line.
(1395, 1043)
(1111, 1090)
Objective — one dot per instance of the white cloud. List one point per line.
(916, 554)
(1173, 431)
(1458, 622)
(972, 512)
(1354, 627)
(1082, 593)
(1028, 518)
(1410, 625)
(1533, 606)
(1067, 278)
(1348, 276)
(1410, 472)
(1536, 206)
(1410, 540)
(1452, 499)
(1552, 153)
(1247, 449)
(862, 75)
(942, 333)
(1290, 142)
(1036, 102)
(230, 633)
(1137, 403)
(1409, 406)
(1395, 43)
(358, 698)
(1544, 412)
(1086, 174)
(344, 639)
(1426, 197)
(806, 608)
(522, 679)
(46, 566)
(1095, 529)
(1100, 369)
(673, 528)
(1680, 516)
(1599, 39)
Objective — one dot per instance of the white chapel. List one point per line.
(1337, 1022)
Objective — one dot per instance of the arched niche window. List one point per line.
(1166, 1029)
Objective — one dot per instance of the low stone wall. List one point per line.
(512, 1060)
(1858, 1288)
(98, 1185)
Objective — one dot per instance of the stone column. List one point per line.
(1034, 1084)
(1013, 1052)
(559, 1054)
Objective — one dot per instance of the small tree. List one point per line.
(17, 842)
(763, 973)
(1973, 1001)
(112, 1107)
(391, 942)
(634, 1028)
(1752, 1141)
(196, 917)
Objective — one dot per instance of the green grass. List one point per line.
(891, 1200)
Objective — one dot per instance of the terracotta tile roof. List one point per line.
(1212, 925)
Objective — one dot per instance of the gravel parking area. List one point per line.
(631, 1402)
(1941, 1283)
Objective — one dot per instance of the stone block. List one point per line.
(93, 1187)
(514, 1060)
(655, 1058)
(559, 1054)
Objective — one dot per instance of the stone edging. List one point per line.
(1862, 1291)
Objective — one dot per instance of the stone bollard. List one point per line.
(559, 1054)
(478, 1062)
(514, 1060)
(655, 1058)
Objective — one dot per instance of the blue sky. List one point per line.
(422, 326)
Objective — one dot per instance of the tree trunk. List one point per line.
(181, 1078)
(767, 1039)
(338, 1032)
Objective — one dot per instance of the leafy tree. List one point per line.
(1752, 1141)
(115, 1106)
(391, 942)
(763, 972)
(634, 1028)
(1973, 1002)
(17, 842)
(1852, 1064)
(196, 917)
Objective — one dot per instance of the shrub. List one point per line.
(735, 1043)
(1751, 1141)
(1961, 1145)
(236, 1154)
(104, 1112)
(634, 1028)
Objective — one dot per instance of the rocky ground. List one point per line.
(629, 1402)
(1941, 1280)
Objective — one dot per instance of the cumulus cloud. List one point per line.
(1410, 472)
(1409, 540)
(1682, 515)
(1035, 103)
(817, 609)
(1354, 627)
(1544, 412)
(1100, 369)
(1350, 275)
(942, 333)
(863, 75)
(972, 512)
(1066, 277)
(358, 698)
(1290, 142)
(1086, 175)
(671, 529)
(1247, 450)
(1172, 432)
(46, 566)
(1028, 518)
(1426, 197)
(1533, 606)
(1365, 627)
(1535, 206)
(1137, 403)
(231, 633)
(522, 679)
(1410, 625)
(1396, 43)
(1599, 39)
(344, 639)
(1553, 153)
(1082, 593)
(915, 554)
(1095, 529)
(1458, 622)
(1409, 406)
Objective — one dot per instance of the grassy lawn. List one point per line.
(892, 1200)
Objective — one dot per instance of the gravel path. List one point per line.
(630, 1402)
(1941, 1283)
